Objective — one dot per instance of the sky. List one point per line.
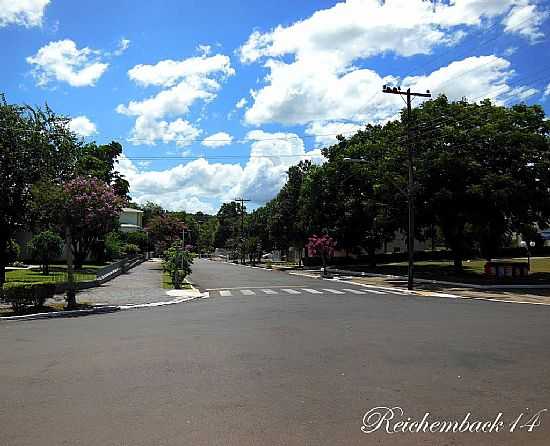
(214, 100)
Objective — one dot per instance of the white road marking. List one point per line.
(377, 292)
(333, 291)
(349, 290)
(225, 293)
(247, 292)
(289, 291)
(309, 290)
(269, 292)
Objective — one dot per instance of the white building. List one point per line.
(131, 220)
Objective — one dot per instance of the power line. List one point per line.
(227, 140)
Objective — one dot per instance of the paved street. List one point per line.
(274, 368)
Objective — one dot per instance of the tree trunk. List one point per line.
(3, 259)
(71, 295)
(458, 264)
(372, 257)
(79, 258)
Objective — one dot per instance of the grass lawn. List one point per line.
(58, 273)
(472, 273)
(167, 283)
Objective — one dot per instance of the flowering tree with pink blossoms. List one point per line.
(322, 246)
(91, 210)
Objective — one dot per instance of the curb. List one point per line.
(418, 293)
(60, 314)
(442, 282)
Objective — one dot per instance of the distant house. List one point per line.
(131, 220)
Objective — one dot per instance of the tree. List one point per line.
(35, 145)
(92, 208)
(99, 161)
(151, 210)
(86, 207)
(177, 263)
(45, 247)
(164, 230)
(228, 231)
(323, 246)
(287, 225)
(483, 173)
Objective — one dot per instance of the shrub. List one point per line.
(113, 245)
(23, 295)
(138, 238)
(12, 251)
(177, 263)
(45, 247)
(131, 250)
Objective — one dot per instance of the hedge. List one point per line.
(22, 295)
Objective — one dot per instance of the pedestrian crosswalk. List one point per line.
(292, 291)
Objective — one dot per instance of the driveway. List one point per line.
(142, 284)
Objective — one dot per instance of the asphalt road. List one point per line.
(274, 369)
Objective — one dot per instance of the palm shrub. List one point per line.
(45, 247)
(177, 263)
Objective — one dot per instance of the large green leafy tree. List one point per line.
(35, 145)
(100, 161)
(287, 224)
(483, 171)
(228, 230)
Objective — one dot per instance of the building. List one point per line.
(131, 220)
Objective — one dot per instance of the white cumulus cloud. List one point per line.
(313, 70)
(325, 132)
(201, 185)
(526, 19)
(63, 61)
(241, 103)
(184, 83)
(22, 12)
(167, 72)
(82, 126)
(219, 139)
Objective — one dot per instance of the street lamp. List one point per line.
(527, 246)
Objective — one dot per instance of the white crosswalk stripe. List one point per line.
(333, 291)
(269, 292)
(349, 290)
(289, 291)
(312, 291)
(248, 292)
(225, 293)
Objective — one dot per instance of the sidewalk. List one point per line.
(140, 285)
(519, 295)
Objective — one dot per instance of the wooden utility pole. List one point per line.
(410, 190)
(242, 201)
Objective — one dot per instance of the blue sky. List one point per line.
(268, 82)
